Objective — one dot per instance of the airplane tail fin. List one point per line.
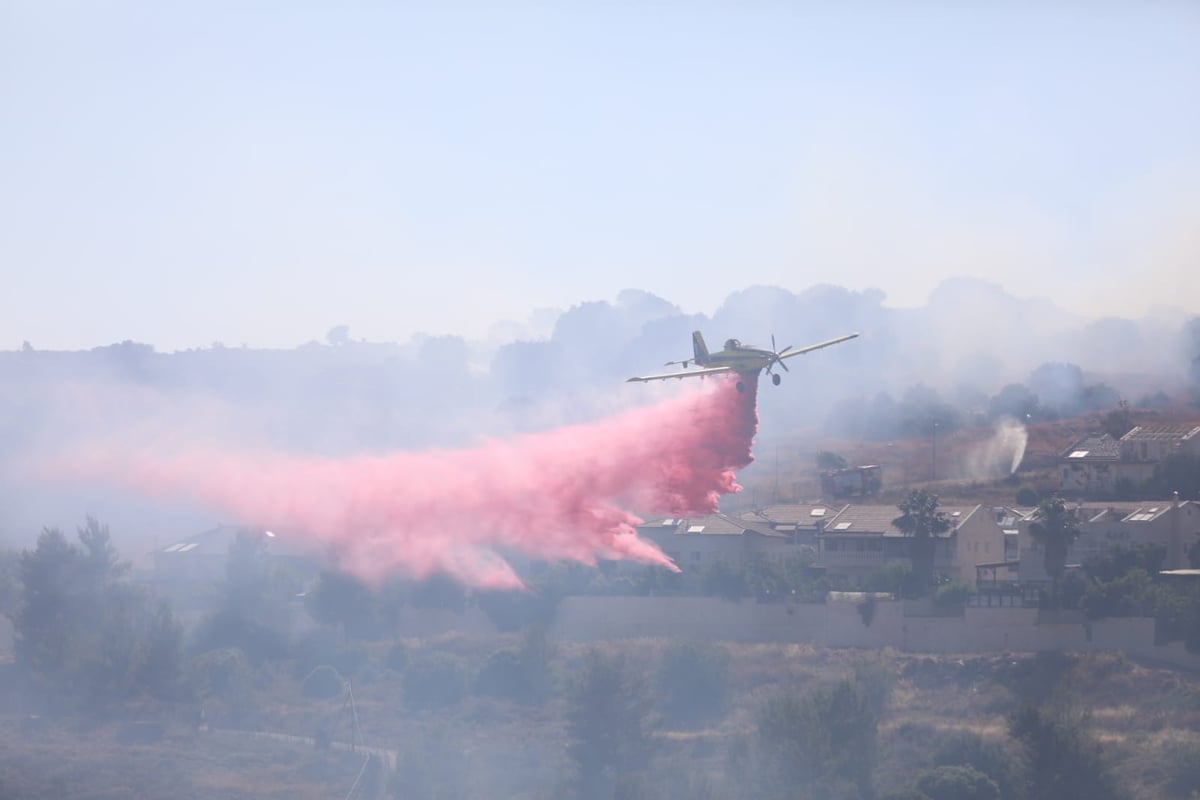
(698, 348)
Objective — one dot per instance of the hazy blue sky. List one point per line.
(179, 173)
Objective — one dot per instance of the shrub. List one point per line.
(724, 579)
(819, 745)
(1000, 762)
(952, 595)
(609, 723)
(223, 673)
(896, 578)
(1132, 595)
(323, 683)
(1065, 760)
(1028, 496)
(511, 611)
(434, 680)
(501, 675)
(231, 629)
(520, 674)
(1183, 771)
(957, 783)
(693, 682)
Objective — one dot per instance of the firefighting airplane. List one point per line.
(736, 357)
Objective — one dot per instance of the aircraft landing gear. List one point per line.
(775, 379)
(741, 387)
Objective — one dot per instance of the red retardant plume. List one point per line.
(561, 494)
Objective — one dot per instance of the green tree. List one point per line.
(824, 742)
(1002, 761)
(1015, 400)
(160, 654)
(609, 723)
(47, 614)
(254, 610)
(247, 573)
(922, 522)
(10, 582)
(85, 632)
(896, 578)
(827, 460)
(1055, 528)
(1027, 496)
(693, 681)
(1065, 761)
(724, 578)
(1119, 421)
(340, 599)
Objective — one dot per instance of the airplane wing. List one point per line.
(691, 373)
(799, 351)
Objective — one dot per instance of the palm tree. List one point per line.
(921, 520)
(1055, 528)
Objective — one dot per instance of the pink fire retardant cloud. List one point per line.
(561, 494)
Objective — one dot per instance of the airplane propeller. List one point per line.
(778, 356)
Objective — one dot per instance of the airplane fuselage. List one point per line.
(739, 357)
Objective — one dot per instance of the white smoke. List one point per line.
(1000, 454)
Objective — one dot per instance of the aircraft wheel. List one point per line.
(741, 387)
(775, 379)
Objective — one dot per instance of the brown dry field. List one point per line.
(486, 748)
(67, 758)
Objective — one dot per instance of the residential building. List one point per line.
(1153, 443)
(1173, 525)
(862, 539)
(1095, 465)
(802, 521)
(695, 543)
(187, 569)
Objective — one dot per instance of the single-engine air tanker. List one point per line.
(736, 357)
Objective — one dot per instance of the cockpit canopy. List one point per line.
(730, 344)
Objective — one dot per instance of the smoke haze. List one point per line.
(349, 398)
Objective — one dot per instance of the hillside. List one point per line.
(966, 470)
(1144, 719)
